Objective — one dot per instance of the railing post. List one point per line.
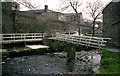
(24, 37)
(1, 38)
(32, 36)
(43, 35)
(35, 36)
(14, 37)
(11, 36)
(21, 36)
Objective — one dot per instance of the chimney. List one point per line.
(46, 8)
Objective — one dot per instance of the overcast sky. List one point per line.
(52, 4)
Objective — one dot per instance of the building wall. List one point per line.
(110, 15)
(7, 21)
(8, 16)
(55, 16)
(15, 21)
(29, 22)
(40, 23)
(61, 17)
(71, 17)
(10, 5)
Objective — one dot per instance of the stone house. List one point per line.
(71, 17)
(15, 21)
(111, 22)
(52, 15)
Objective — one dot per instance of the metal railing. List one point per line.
(19, 37)
(96, 42)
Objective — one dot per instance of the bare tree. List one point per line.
(71, 4)
(94, 9)
(28, 4)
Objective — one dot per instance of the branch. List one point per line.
(28, 4)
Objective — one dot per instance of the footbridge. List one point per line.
(20, 37)
(95, 42)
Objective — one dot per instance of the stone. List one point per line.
(46, 64)
(8, 58)
(3, 62)
(86, 57)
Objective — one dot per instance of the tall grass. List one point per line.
(110, 62)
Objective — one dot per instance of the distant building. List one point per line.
(71, 17)
(98, 26)
(111, 21)
(49, 14)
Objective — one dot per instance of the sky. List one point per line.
(53, 5)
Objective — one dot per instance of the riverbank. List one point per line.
(110, 62)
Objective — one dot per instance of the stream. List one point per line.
(85, 62)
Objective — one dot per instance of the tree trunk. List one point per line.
(78, 21)
(93, 27)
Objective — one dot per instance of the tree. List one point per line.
(28, 3)
(94, 9)
(74, 4)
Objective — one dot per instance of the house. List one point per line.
(43, 20)
(111, 22)
(71, 17)
(52, 15)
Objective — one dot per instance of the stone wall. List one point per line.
(21, 22)
(7, 21)
(28, 22)
(111, 15)
(15, 21)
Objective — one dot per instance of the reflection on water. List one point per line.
(54, 63)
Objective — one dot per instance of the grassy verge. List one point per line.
(109, 62)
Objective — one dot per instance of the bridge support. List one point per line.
(71, 50)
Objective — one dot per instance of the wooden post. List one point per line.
(71, 49)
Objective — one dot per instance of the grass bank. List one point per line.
(110, 62)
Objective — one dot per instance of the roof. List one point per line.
(37, 11)
(43, 11)
(106, 7)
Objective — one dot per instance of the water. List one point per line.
(54, 63)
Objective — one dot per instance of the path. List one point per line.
(113, 49)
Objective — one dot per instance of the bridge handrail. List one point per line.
(21, 37)
(84, 40)
(21, 33)
(83, 36)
